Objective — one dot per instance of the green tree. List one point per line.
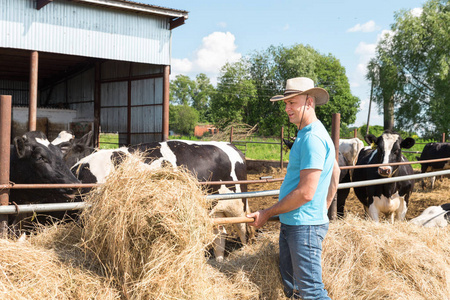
(182, 119)
(234, 93)
(182, 90)
(271, 69)
(418, 52)
(202, 94)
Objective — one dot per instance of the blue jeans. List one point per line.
(300, 261)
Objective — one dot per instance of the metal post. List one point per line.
(370, 108)
(335, 130)
(166, 100)
(32, 109)
(231, 135)
(443, 137)
(355, 132)
(281, 148)
(5, 141)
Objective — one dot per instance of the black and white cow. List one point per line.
(434, 216)
(34, 160)
(74, 149)
(208, 161)
(434, 151)
(390, 199)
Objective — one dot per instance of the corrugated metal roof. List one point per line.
(118, 30)
(138, 7)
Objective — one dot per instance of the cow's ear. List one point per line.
(64, 146)
(87, 139)
(370, 138)
(407, 143)
(23, 150)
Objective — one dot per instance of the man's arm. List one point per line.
(303, 193)
(332, 189)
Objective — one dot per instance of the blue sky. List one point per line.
(221, 31)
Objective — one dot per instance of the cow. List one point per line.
(208, 161)
(434, 151)
(390, 199)
(344, 177)
(34, 160)
(342, 194)
(350, 148)
(74, 149)
(434, 216)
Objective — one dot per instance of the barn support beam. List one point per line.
(5, 140)
(97, 95)
(165, 120)
(32, 108)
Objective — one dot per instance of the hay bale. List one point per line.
(150, 230)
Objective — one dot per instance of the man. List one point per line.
(306, 193)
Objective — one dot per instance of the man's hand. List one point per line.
(260, 217)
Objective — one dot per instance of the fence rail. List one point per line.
(30, 208)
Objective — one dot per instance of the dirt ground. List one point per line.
(420, 199)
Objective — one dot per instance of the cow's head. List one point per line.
(39, 161)
(77, 149)
(388, 150)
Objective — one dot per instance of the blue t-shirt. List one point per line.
(313, 149)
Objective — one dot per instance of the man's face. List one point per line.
(294, 108)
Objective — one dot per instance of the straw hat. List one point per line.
(302, 86)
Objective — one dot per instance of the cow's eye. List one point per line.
(42, 159)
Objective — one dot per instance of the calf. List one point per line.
(35, 160)
(390, 199)
(208, 161)
(434, 151)
(434, 216)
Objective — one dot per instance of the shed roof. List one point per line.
(21, 34)
(138, 7)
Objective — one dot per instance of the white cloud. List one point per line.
(222, 24)
(286, 27)
(416, 12)
(181, 65)
(366, 27)
(383, 34)
(216, 50)
(364, 52)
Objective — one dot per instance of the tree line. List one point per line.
(409, 76)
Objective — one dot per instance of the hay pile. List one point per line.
(366, 260)
(144, 237)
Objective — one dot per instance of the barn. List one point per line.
(88, 64)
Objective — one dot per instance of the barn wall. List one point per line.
(49, 121)
(131, 100)
(72, 28)
(18, 90)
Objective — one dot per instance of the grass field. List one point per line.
(254, 149)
